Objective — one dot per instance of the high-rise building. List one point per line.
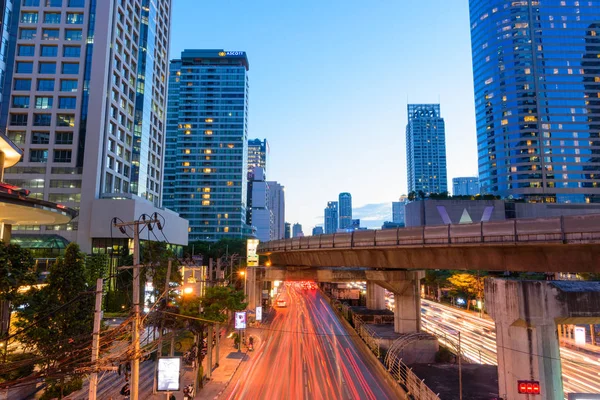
(258, 154)
(288, 231)
(297, 230)
(345, 210)
(331, 217)
(87, 105)
(207, 142)
(277, 206)
(317, 230)
(262, 215)
(536, 82)
(398, 211)
(6, 15)
(465, 186)
(426, 149)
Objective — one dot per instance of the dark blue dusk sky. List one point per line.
(329, 84)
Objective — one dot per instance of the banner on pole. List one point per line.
(259, 313)
(168, 374)
(240, 320)
(251, 256)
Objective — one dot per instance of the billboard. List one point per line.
(240, 320)
(579, 335)
(168, 374)
(251, 256)
(259, 313)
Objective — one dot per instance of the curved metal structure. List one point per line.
(545, 244)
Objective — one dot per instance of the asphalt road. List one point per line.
(305, 353)
(581, 370)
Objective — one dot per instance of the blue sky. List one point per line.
(329, 84)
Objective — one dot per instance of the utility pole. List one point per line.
(459, 369)
(162, 321)
(96, 340)
(217, 334)
(209, 350)
(135, 332)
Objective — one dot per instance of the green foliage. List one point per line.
(57, 389)
(589, 276)
(467, 285)
(444, 355)
(214, 306)
(218, 249)
(156, 256)
(17, 367)
(57, 319)
(16, 270)
(96, 266)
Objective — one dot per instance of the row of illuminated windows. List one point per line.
(42, 120)
(45, 102)
(41, 155)
(118, 166)
(39, 183)
(47, 50)
(45, 85)
(53, 3)
(50, 34)
(26, 67)
(31, 17)
(20, 137)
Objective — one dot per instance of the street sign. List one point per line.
(259, 313)
(579, 335)
(168, 374)
(240, 320)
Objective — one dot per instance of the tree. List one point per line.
(96, 266)
(467, 285)
(437, 279)
(57, 321)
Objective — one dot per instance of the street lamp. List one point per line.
(243, 273)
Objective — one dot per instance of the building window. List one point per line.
(64, 138)
(53, 3)
(67, 103)
(49, 51)
(50, 34)
(31, 3)
(45, 85)
(38, 155)
(24, 67)
(71, 51)
(27, 34)
(22, 84)
(73, 34)
(26, 50)
(40, 137)
(51, 18)
(47, 68)
(43, 103)
(42, 119)
(70, 68)
(76, 3)
(18, 119)
(29, 18)
(62, 156)
(18, 137)
(74, 18)
(20, 102)
(65, 120)
(68, 85)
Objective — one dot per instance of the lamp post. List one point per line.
(243, 273)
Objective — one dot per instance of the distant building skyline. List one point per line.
(331, 217)
(277, 206)
(426, 149)
(398, 211)
(297, 230)
(345, 210)
(258, 156)
(465, 186)
(317, 230)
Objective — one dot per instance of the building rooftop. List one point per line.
(215, 56)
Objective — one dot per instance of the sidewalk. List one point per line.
(229, 361)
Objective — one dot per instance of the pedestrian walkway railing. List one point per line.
(402, 373)
(368, 335)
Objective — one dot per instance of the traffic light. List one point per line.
(529, 387)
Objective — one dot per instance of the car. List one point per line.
(281, 303)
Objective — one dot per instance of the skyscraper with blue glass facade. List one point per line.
(537, 97)
(207, 142)
(426, 149)
(345, 210)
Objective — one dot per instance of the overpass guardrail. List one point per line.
(569, 229)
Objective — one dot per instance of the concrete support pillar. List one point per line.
(526, 314)
(375, 296)
(251, 287)
(593, 334)
(5, 232)
(2, 159)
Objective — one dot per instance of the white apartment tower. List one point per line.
(88, 81)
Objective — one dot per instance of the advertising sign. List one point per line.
(240, 320)
(168, 374)
(259, 313)
(579, 335)
(251, 256)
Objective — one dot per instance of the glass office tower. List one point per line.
(426, 149)
(537, 97)
(331, 217)
(207, 143)
(345, 210)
